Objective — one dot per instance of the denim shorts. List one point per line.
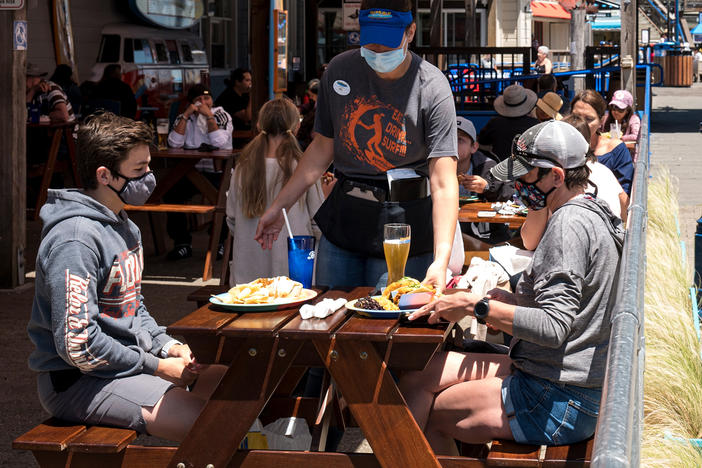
(542, 412)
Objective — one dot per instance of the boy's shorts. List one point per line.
(105, 402)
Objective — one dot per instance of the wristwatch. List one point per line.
(481, 310)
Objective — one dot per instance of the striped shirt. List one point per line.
(47, 102)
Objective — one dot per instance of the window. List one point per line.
(142, 51)
(161, 52)
(109, 49)
(128, 50)
(173, 55)
(187, 52)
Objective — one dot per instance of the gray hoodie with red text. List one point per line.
(88, 311)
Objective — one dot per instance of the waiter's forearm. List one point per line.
(444, 195)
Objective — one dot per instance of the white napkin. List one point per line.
(322, 309)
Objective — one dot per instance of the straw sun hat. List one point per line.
(550, 104)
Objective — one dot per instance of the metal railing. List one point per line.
(618, 435)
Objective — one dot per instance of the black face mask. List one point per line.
(137, 189)
(532, 196)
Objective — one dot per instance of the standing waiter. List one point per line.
(379, 108)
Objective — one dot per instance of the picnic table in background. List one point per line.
(468, 213)
(215, 197)
(46, 169)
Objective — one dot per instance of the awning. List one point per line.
(549, 10)
(613, 23)
(697, 29)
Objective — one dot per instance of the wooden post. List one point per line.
(577, 44)
(436, 32)
(471, 29)
(629, 49)
(12, 148)
(258, 45)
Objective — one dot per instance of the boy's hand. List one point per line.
(473, 183)
(175, 370)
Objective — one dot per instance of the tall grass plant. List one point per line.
(673, 368)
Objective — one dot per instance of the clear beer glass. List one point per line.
(162, 132)
(396, 245)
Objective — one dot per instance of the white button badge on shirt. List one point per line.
(341, 87)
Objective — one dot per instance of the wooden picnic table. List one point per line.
(468, 213)
(215, 197)
(55, 131)
(260, 349)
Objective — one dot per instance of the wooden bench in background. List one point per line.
(58, 444)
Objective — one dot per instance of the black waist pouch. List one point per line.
(356, 224)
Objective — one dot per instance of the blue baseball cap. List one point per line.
(384, 27)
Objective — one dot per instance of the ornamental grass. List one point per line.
(673, 368)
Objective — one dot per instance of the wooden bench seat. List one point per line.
(58, 443)
(55, 443)
(171, 208)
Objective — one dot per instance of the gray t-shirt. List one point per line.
(378, 124)
(562, 322)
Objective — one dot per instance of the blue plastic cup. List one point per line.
(301, 259)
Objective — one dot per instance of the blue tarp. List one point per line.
(697, 29)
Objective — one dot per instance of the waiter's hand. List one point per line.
(269, 226)
(436, 276)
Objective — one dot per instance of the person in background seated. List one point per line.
(199, 124)
(543, 64)
(514, 108)
(100, 358)
(63, 76)
(548, 107)
(262, 168)
(547, 390)
(308, 110)
(236, 99)
(112, 88)
(610, 151)
(474, 179)
(47, 96)
(621, 110)
(549, 83)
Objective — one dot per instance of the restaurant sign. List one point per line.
(174, 14)
(11, 4)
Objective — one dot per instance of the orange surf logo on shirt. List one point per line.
(374, 133)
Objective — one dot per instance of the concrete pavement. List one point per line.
(676, 143)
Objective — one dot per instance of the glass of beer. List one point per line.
(396, 244)
(162, 131)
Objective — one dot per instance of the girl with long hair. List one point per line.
(262, 168)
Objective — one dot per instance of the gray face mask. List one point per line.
(136, 190)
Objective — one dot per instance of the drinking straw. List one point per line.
(287, 223)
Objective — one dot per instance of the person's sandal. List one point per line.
(180, 252)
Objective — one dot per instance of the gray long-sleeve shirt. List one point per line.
(562, 322)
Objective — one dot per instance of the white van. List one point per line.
(159, 64)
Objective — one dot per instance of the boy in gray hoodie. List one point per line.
(100, 357)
